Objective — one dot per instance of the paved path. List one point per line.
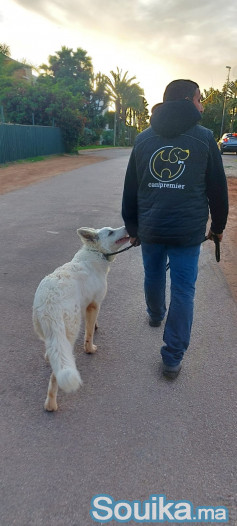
(128, 432)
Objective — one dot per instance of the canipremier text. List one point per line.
(166, 185)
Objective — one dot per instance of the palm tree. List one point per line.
(127, 97)
(134, 104)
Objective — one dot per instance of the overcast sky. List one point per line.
(155, 40)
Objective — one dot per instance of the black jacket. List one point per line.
(174, 177)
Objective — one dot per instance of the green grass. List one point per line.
(29, 160)
(94, 147)
(32, 159)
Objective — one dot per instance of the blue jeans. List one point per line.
(183, 263)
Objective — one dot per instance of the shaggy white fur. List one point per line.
(72, 293)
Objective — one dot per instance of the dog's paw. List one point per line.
(50, 404)
(90, 349)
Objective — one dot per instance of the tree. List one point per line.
(128, 98)
(213, 109)
(142, 117)
(71, 69)
(99, 98)
(50, 106)
(94, 113)
(7, 69)
(67, 94)
(5, 50)
(232, 104)
(72, 72)
(213, 103)
(134, 105)
(117, 89)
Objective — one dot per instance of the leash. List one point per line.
(214, 238)
(123, 249)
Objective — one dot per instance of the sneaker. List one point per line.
(154, 323)
(170, 371)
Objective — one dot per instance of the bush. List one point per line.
(88, 137)
(71, 125)
(108, 137)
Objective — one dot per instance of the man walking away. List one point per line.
(174, 178)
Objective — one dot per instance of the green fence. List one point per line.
(18, 141)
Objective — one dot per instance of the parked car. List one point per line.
(228, 143)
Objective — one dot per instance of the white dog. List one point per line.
(71, 293)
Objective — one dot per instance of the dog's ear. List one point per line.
(87, 234)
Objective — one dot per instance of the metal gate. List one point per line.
(19, 141)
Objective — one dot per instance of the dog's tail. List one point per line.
(60, 354)
(69, 379)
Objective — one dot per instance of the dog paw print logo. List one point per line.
(168, 163)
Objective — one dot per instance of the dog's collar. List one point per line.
(108, 257)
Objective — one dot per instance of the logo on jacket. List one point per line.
(167, 163)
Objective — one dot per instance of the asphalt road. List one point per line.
(128, 432)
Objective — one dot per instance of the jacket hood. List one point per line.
(172, 118)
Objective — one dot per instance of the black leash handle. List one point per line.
(216, 240)
(217, 249)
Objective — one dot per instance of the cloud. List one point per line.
(200, 30)
(156, 40)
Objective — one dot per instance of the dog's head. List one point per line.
(104, 240)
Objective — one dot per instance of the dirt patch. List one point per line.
(17, 176)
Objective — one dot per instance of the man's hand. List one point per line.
(211, 234)
(133, 239)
